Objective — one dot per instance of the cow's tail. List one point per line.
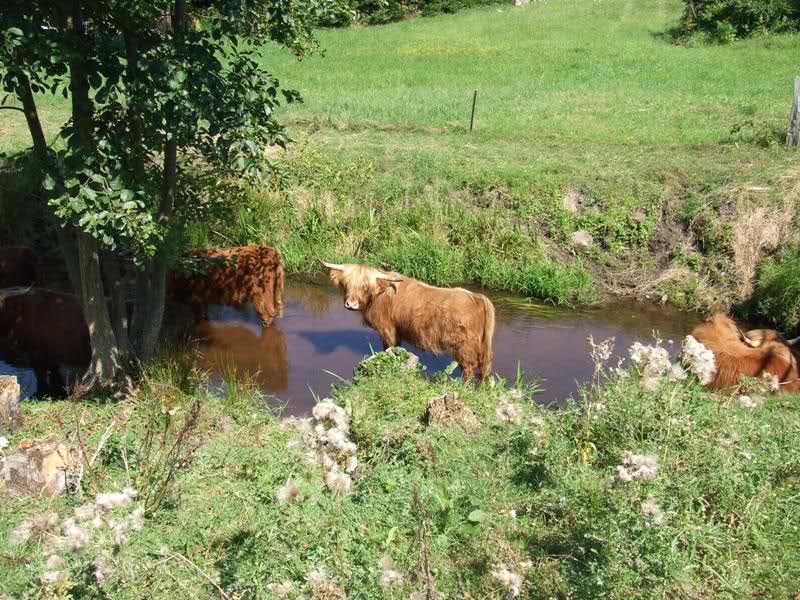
(488, 335)
(278, 291)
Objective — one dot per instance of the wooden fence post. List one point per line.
(793, 137)
(10, 417)
(472, 117)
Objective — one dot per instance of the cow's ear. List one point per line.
(385, 284)
(336, 276)
(335, 272)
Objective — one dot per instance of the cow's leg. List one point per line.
(389, 338)
(468, 372)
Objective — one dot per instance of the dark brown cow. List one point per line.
(17, 267)
(43, 330)
(232, 276)
(438, 320)
(738, 355)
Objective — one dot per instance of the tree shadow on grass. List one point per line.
(242, 544)
(526, 474)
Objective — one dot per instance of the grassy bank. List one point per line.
(588, 119)
(672, 155)
(451, 503)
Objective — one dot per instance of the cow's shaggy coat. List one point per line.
(439, 320)
(232, 276)
(736, 357)
(17, 266)
(43, 330)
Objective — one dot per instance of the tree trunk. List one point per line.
(31, 113)
(65, 233)
(105, 361)
(116, 282)
(69, 250)
(148, 324)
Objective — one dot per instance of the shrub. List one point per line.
(728, 20)
(376, 12)
(777, 294)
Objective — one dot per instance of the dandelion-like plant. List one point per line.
(326, 437)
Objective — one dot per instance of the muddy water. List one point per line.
(319, 341)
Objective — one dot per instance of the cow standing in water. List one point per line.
(438, 320)
(232, 276)
(752, 354)
(43, 330)
(17, 267)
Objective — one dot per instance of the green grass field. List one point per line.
(578, 92)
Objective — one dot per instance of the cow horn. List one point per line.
(13, 291)
(793, 341)
(744, 337)
(333, 266)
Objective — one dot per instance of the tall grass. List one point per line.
(529, 492)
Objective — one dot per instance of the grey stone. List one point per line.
(574, 201)
(44, 468)
(582, 240)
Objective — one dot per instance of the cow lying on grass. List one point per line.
(753, 354)
(438, 320)
(232, 276)
(43, 330)
(17, 266)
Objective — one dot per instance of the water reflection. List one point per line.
(233, 348)
(318, 341)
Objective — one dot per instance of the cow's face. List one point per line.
(724, 329)
(360, 285)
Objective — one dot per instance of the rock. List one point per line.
(45, 468)
(412, 362)
(582, 240)
(448, 411)
(573, 201)
(10, 417)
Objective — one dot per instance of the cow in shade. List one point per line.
(233, 277)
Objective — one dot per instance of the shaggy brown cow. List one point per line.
(43, 330)
(438, 320)
(736, 356)
(758, 337)
(232, 276)
(17, 266)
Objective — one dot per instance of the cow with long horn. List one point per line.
(440, 320)
(752, 354)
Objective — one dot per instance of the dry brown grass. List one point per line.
(757, 231)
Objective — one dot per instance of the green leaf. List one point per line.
(15, 31)
(49, 183)
(89, 193)
(477, 516)
(126, 195)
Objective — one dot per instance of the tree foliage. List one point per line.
(172, 107)
(728, 20)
